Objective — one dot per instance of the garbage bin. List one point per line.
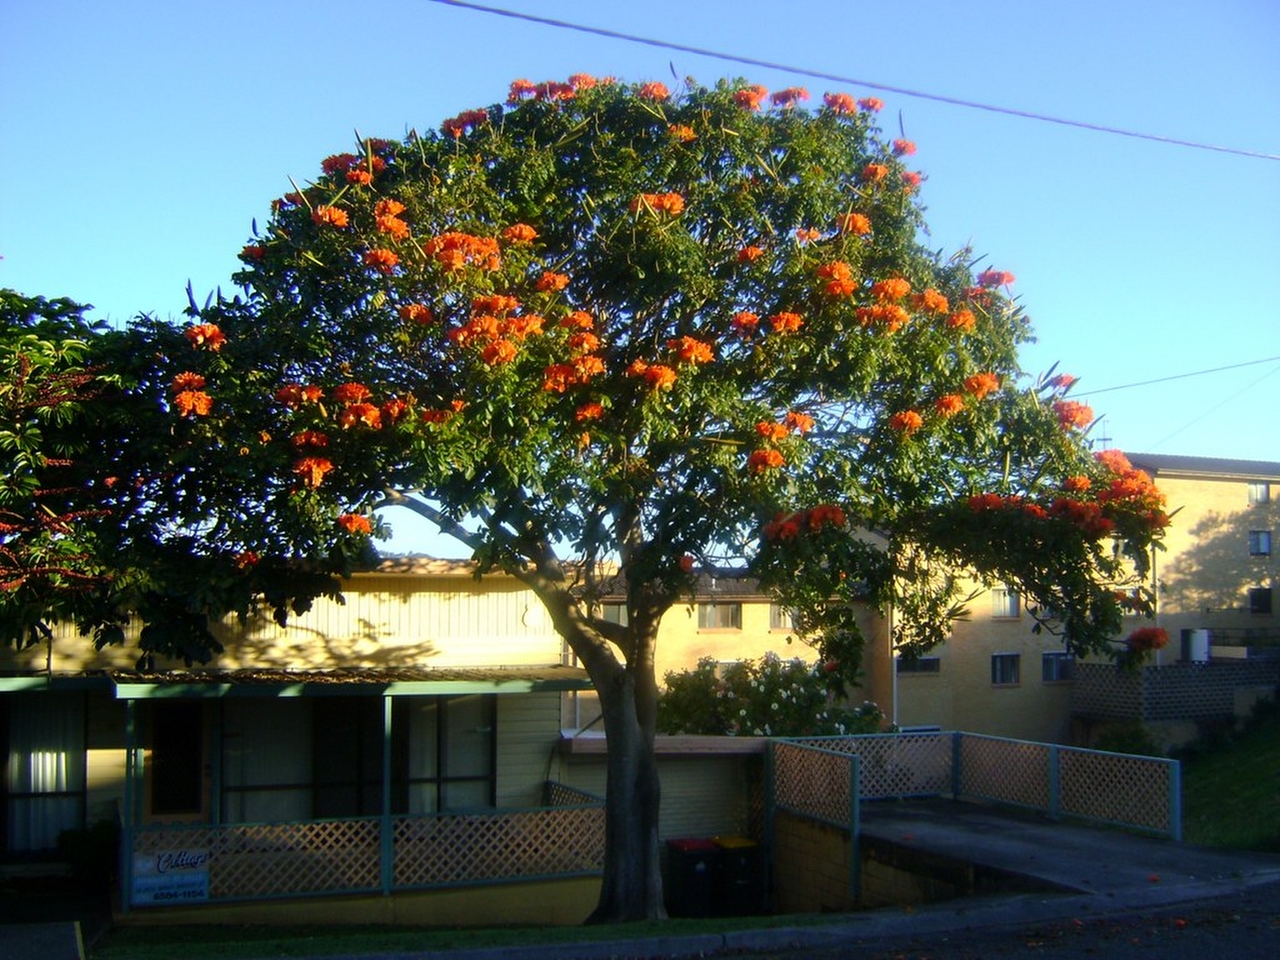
(691, 877)
(739, 888)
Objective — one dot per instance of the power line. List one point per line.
(1180, 376)
(1216, 407)
(837, 78)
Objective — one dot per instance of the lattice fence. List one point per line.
(470, 848)
(895, 764)
(1006, 771)
(258, 860)
(813, 782)
(1135, 791)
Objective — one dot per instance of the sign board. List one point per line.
(169, 877)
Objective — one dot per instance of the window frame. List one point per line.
(709, 618)
(1064, 669)
(1261, 601)
(1259, 493)
(1259, 543)
(919, 666)
(999, 664)
(1011, 601)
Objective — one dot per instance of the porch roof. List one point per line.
(371, 681)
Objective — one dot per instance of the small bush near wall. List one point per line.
(1129, 737)
(765, 697)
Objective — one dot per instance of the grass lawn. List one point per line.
(1231, 794)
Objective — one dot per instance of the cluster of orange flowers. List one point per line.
(455, 250)
(355, 524)
(1072, 414)
(839, 277)
(750, 98)
(387, 219)
(333, 216)
(206, 335)
(1145, 639)
(658, 376)
(682, 132)
(691, 350)
(888, 315)
(789, 97)
(189, 397)
(381, 259)
(906, 422)
(672, 203)
(294, 395)
(982, 384)
(520, 234)
(788, 526)
(857, 224)
(758, 461)
(464, 122)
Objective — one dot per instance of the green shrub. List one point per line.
(765, 697)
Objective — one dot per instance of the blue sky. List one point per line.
(139, 139)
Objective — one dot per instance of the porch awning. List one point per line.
(396, 681)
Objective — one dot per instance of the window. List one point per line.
(781, 618)
(42, 780)
(1004, 604)
(1260, 600)
(1259, 492)
(1056, 667)
(177, 758)
(719, 616)
(919, 665)
(1005, 669)
(1259, 543)
(444, 753)
(614, 613)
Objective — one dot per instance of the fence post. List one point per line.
(1175, 800)
(386, 838)
(955, 764)
(1055, 782)
(855, 826)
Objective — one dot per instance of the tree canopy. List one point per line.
(602, 331)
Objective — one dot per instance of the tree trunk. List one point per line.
(632, 885)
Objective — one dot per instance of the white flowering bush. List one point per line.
(766, 697)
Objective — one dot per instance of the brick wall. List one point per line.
(1176, 691)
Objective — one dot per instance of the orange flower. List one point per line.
(889, 315)
(454, 250)
(672, 203)
(759, 461)
(1141, 640)
(253, 251)
(911, 180)
(931, 301)
(416, 313)
(874, 172)
(311, 393)
(871, 104)
(393, 226)
(558, 378)
(583, 81)
(588, 411)
(856, 223)
(789, 97)
(840, 277)
(312, 470)
(744, 322)
(586, 367)
(498, 352)
(659, 377)
(578, 319)
(394, 409)
(799, 422)
(962, 320)
(338, 162)
(355, 524)
(750, 254)
(519, 233)
(584, 341)
(653, 91)
(246, 559)
(995, 278)
(519, 90)
(825, 515)
(497, 304)
(682, 132)
(359, 177)
(949, 405)
(1072, 414)
(1077, 484)
(906, 421)
(786, 322)
(356, 413)
(784, 526)
(771, 431)
(521, 327)
(750, 97)
(195, 403)
(467, 120)
(981, 384)
(903, 148)
(841, 103)
(330, 215)
(1113, 460)
(550, 281)
(808, 234)
(206, 335)
(309, 439)
(351, 393)
(382, 260)
(691, 350)
(186, 381)
(895, 288)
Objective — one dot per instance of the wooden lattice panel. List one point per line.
(896, 765)
(279, 859)
(812, 782)
(1007, 771)
(1117, 788)
(467, 848)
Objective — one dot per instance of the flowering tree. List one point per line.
(607, 330)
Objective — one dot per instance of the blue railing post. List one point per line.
(955, 764)
(1055, 783)
(1175, 801)
(855, 825)
(130, 799)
